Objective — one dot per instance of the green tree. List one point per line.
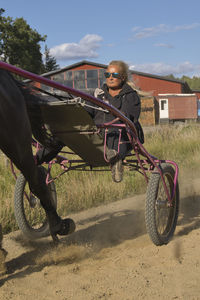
(194, 82)
(50, 63)
(20, 44)
(171, 76)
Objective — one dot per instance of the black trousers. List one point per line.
(121, 144)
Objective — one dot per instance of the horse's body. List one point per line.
(16, 141)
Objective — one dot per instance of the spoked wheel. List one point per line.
(161, 216)
(29, 214)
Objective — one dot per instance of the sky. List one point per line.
(152, 36)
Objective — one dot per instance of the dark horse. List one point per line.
(16, 143)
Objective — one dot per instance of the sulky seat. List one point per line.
(71, 124)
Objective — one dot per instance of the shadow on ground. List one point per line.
(106, 230)
(94, 234)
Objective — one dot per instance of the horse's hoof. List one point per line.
(58, 226)
(67, 226)
(63, 227)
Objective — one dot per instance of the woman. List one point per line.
(120, 93)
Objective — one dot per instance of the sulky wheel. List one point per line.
(160, 216)
(29, 214)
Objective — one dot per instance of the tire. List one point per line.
(160, 217)
(30, 215)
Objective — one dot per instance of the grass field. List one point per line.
(81, 190)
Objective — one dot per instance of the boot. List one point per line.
(116, 165)
(59, 226)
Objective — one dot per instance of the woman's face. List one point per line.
(114, 81)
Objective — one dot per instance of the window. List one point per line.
(68, 79)
(79, 79)
(92, 78)
(163, 104)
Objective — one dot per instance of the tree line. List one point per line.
(20, 46)
(194, 82)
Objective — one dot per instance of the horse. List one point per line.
(16, 143)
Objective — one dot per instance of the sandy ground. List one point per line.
(110, 256)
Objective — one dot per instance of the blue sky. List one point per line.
(153, 36)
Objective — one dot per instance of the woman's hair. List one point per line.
(127, 78)
(123, 68)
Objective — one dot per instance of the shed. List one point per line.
(197, 92)
(177, 107)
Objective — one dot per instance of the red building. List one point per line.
(159, 84)
(86, 76)
(177, 107)
(197, 92)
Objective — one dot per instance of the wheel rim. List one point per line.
(165, 212)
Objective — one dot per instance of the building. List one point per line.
(87, 76)
(159, 84)
(177, 107)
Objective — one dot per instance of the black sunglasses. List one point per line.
(114, 75)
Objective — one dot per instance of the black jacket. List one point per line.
(127, 101)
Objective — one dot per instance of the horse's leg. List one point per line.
(25, 162)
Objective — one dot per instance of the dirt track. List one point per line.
(110, 256)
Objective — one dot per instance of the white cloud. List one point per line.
(136, 28)
(141, 33)
(164, 45)
(86, 48)
(166, 69)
